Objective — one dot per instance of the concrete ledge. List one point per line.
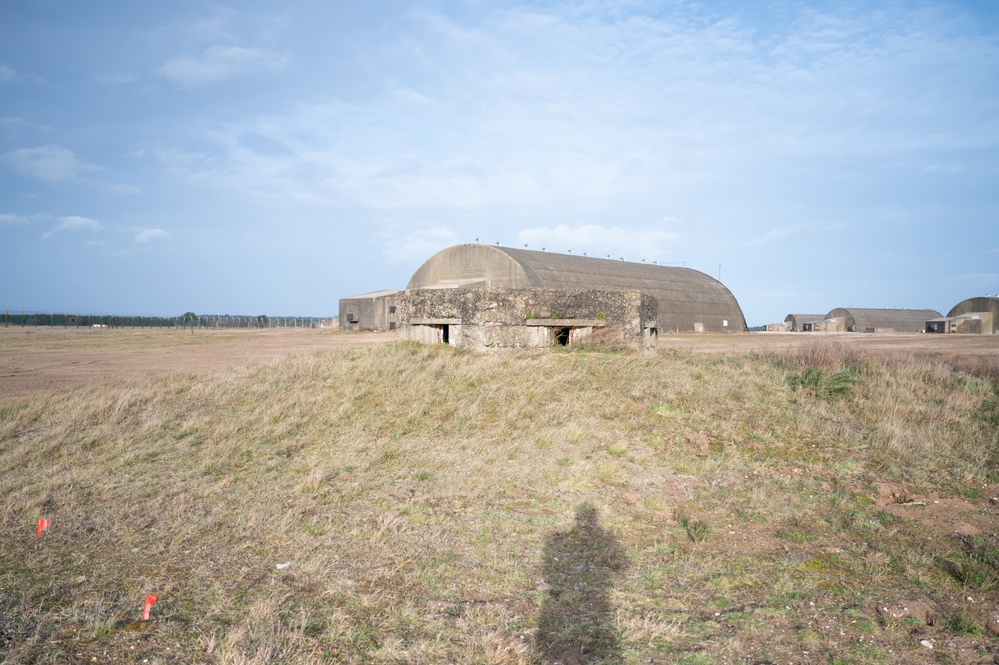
(434, 322)
(567, 323)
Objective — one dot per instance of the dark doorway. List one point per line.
(562, 336)
(445, 334)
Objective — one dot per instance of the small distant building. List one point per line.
(776, 327)
(941, 325)
(825, 325)
(369, 311)
(797, 322)
(869, 320)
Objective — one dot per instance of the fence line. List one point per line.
(25, 318)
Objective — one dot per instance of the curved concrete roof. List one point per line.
(685, 296)
(983, 304)
(900, 320)
(797, 320)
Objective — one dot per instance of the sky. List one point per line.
(271, 158)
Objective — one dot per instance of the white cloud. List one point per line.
(402, 246)
(218, 63)
(599, 240)
(213, 29)
(74, 223)
(117, 78)
(77, 223)
(6, 218)
(51, 163)
(982, 280)
(791, 230)
(777, 234)
(942, 168)
(148, 235)
(21, 123)
(781, 295)
(124, 188)
(7, 74)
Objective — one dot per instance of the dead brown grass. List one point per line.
(405, 504)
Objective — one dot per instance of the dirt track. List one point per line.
(39, 359)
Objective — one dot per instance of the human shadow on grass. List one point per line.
(577, 621)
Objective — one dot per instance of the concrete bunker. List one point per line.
(369, 311)
(499, 317)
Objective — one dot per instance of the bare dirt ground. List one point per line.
(44, 358)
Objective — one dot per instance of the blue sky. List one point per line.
(255, 158)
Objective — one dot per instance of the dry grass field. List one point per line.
(776, 501)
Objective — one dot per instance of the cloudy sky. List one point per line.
(271, 158)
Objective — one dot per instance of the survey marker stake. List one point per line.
(150, 601)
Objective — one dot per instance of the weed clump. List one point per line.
(823, 384)
(977, 567)
(697, 530)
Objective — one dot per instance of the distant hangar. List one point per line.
(801, 322)
(972, 316)
(854, 319)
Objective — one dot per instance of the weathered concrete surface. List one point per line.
(487, 318)
(369, 311)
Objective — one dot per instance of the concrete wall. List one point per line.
(496, 318)
(828, 325)
(370, 311)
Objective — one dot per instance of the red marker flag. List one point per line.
(42, 525)
(150, 601)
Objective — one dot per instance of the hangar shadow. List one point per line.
(576, 624)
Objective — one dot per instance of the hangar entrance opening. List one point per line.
(561, 336)
(444, 333)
